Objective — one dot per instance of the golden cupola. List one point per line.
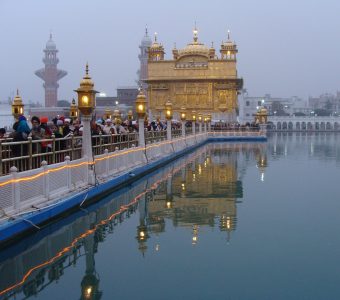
(194, 48)
(156, 51)
(212, 51)
(228, 49)
(175, 52)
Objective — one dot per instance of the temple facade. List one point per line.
(196, 78)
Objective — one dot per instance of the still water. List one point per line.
(229, 221)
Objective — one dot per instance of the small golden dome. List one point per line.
(155, 44)
(87, 82)
(17, 99)
(141, 95)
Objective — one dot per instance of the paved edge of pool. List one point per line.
(14, 229)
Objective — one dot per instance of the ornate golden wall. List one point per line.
(195, 83)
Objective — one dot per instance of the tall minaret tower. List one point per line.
(143, 58)
(51, 74)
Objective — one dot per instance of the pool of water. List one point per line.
(228, 221)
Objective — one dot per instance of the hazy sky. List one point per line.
(286, 48)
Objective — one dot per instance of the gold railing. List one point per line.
(28, 155)
(113, 142)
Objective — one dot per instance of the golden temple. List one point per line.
(196, 78)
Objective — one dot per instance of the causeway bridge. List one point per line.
(38, 187)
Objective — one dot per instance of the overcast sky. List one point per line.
(286, 48)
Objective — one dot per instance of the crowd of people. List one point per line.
(61, 127)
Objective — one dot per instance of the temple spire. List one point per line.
(146, 30)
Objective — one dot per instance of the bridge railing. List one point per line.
(28, 155)
(155, 136)
(113, 142)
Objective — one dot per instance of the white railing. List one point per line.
(38, 188)
(34, 189)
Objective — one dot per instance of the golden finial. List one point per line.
(87, 68)
(146, 30)
(155, 37)
(212, 44)
(17, 92)
(175, 45)
(228, 35)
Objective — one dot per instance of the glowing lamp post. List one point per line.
(107, 113)
(141, 111)
(209, 122)
(168, 116)
(200, 118)
(86, 105)
(73, 110)
(17, 107)
(183, 119)
(205, 118)
(193, 122)
(117, 117)
(130, 115)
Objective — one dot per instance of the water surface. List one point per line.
(229, 221)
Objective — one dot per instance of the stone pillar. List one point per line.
(193, 124)
(141, 132)
(168, 130)
(200, 127)
(87, 147)
(183, 128)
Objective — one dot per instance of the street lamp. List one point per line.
(183, 118)
(193, 122)
(17, 106)
(107, 113)
(130, 115)
(141, 111)
(73, 110)
(86, 105)
(168, 116)
(168, 110)
(200, 122)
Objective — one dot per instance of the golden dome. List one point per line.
(263, 111)
(194, 48)
(155, 44)
(87, 82)
(228, 43)
(141, 95)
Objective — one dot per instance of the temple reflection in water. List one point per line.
(204, 193)
(197, 191)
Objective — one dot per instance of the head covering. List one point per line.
(35, 118)
(108, 121)
(67, 120)
(44, 119)
(60, 122)
(23, 127)
(22, 118)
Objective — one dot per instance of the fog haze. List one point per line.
(286, 48)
